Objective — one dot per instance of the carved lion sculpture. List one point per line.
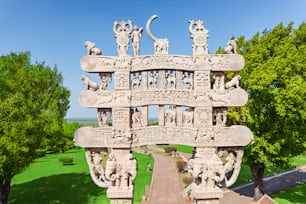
(234, 83)
(89, 84)
(91, 48)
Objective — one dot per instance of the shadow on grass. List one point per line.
(295, 195)
(64, 189)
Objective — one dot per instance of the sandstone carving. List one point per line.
(192, 99)
(122, 32)
(136, 36)
(199, 35)
(89, 84)
(105, 79)
(234, 83)
(91, 48)
(231, 47)
(161, 46)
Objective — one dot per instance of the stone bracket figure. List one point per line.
(233, 83)
(94, 160)
(103, 115)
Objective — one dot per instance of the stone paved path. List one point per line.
(166, 188)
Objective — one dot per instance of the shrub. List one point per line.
(170, 149)
(187, 180)
(181, 165)
(66, 160)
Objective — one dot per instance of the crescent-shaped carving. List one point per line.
(151, 36)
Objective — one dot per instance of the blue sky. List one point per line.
(54, 31)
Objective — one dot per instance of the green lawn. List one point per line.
(294, 195)
(47, 181)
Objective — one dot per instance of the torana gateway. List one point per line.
(192, 110)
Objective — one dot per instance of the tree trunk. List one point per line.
(5, 186)
(257, 170)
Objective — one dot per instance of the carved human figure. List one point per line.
(153, 79)
(231, 47)
(221, 116)
(219, 80)
(187, 80)
(170, 79)
(91, 48)
(122, 32)
(89, 84)
(105, 78)
(233, 83)
(199, 35)
(135, 36)
(136, 81)
(103, 115)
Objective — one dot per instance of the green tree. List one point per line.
(33, 103)
(274, 77)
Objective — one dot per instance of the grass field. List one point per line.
(294, 195)
(47, 181)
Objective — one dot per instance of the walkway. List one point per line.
(167, 189)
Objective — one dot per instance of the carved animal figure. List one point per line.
(153, 79)
(187, 117)
(188, 82)
(231, 47)
(136, 116)
(234, 83)
(161, 46)
(91, 48)
(170, 115)
(170, 80)
(89, 84)
(136, 81)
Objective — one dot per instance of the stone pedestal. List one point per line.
(120, 196)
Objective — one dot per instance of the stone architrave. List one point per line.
(192, 110)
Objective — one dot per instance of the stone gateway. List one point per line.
(192, 97)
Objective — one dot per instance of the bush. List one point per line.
(170, 149)
(181, 165)
(187, 180)
(66, 160)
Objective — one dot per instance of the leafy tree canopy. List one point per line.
(274, 77)
(33, 103)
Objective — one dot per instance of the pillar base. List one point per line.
(120, 195)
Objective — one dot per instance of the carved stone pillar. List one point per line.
(161, 115)
(144, 118)
(162, 79)
(207, 169)
(179, 116)
(121, 169)
(144, 80)
(178, 83)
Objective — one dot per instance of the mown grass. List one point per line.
(48, 181)
(294, 195)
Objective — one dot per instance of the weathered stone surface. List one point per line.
(210, 137)
(212, 62)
